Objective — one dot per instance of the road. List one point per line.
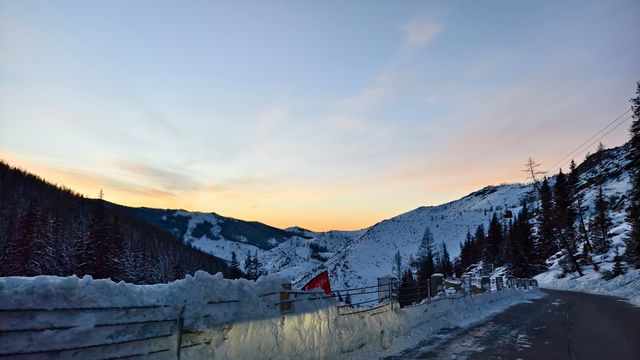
(562, 325)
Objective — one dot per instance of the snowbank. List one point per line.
(222, 300)
(222, 319)
(626, 286)
(328, 334)
(404, 328)
(62, 314)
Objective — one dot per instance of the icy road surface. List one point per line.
(563, 325)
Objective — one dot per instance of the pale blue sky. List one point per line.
(325, 114)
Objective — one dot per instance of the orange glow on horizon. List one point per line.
(344, 209)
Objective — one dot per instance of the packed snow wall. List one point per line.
(204, 316)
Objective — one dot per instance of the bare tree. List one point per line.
(531, 168)
(583, 229)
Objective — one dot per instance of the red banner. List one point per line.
(319, 282)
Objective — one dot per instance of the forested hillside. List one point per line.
(213, 233)
(46, 229)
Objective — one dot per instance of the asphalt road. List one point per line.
(562, 325)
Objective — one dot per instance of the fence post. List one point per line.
(180, 328)
(390, 298)
(285, 304)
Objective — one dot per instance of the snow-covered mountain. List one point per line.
(358, 258)
(216, 234)
(353, 258)
(370, 255)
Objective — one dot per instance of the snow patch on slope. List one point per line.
(370, 255)
(626, 286)
(616, 182)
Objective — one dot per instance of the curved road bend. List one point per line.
(562, 325)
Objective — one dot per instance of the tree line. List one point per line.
(49, 230)
(557, 229)
(252, 267)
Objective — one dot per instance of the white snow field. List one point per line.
(369, 254)
(358, 258)
(222, 319)
(626, 286)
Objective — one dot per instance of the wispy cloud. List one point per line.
(372, 96)
(161, 177)
(421, 33)
(389, 83)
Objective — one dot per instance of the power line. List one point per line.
(598, 139)
(589, 139)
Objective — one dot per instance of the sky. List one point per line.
(320, 114)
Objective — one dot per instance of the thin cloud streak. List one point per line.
(421, 33)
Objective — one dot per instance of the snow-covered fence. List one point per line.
(61, 318)
(88, 332)
(199, 317)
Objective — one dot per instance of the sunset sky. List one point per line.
(322, 114)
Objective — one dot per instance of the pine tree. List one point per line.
(397, 265)
(522, 253)
(105, 239)
(446, 267)
(573, 177)
(46, 247)
(493, 252)
(479, 244)
(466, 257)
(600, 224)
(252, 266)
(98, 241)
(618, 268)
(234, 267)
(426, 244)
(248, 266)
(587, 248)
(426, 268)
(20, 249)
(407, 293)
(514, 254)
(546, 243)
(632, 253)
(257, 266)
(85, 254)
(115, 255)
(565, 219)
(563, 208)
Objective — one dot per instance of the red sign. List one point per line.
(319, 282)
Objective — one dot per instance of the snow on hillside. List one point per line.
(215, 234)
(370, 255)
(293, 259)
(358, 258)
(209, 238)
(610, 171)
